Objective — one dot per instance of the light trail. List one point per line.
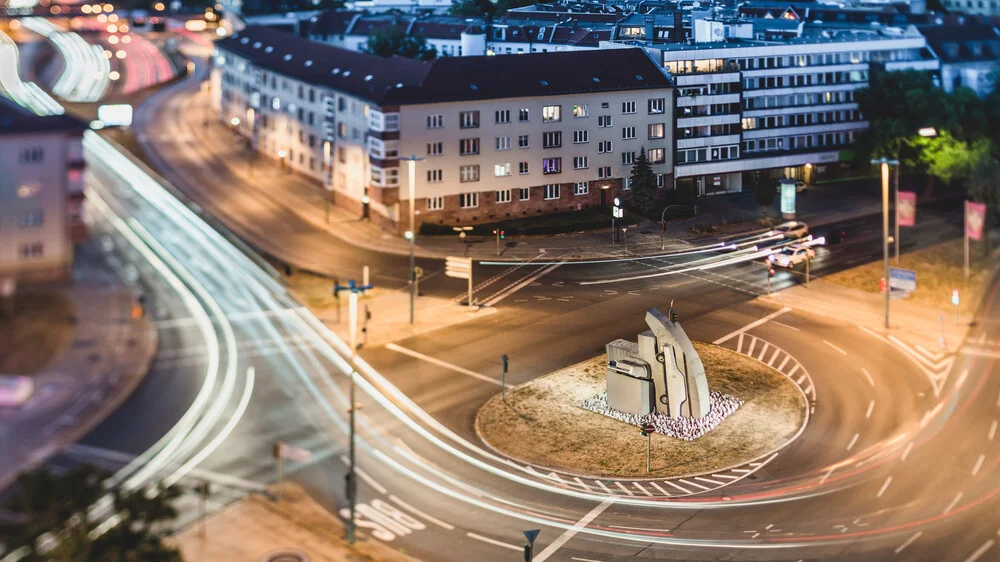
(25, 94)
(85, 69)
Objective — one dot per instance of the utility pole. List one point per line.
(884, 165)
(895, 206)
(503, 378)
(411, 234)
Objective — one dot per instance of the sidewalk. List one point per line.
(257, 529)
(107, 357)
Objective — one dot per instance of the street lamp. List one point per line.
(927, 132)
(412, 233)
(235, 121)
(884, 164)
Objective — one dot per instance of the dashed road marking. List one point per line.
(794, 369)
(580, 482)
(953, 503)
(712, 482)
(784, 362)
(980, 551)
(689, 483)
(440, 363)
(827, 475)
(662, 491)
(603, 487)
(884, 487)
(416, 511)
(979, 464)
(993, 430)
(909, 541)
(753, 343)
(837, 349)
(770, 363)
(679, 487)
(868, 376)
(783, 325)
(906, 451)
(645, 491)
(871, 406)
(494, 542)
(763, 350)
(751, 325)
(853, 441)
(624, 489)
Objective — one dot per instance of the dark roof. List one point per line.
(15, 119)
(399, 81)
(964, 42)
(334, 22)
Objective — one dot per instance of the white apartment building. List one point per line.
(41, 194)
(500, 137)
(751, 110)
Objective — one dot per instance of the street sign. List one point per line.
(902, 279)
(285, 451)
(459, 268)
(648, 428)
(532, 535)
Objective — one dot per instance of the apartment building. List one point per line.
(500, 137)
(41, 194)
(969, 51)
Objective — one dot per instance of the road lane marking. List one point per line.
(624, 489)
(782, 324)
(827, 475)
(794, 369)
(491, 541)
(605, 488)
(773, 357)
(753, 344)
(584, 559)
(979, 464)
(841, 351)
(981, 551)
(572, 531)
(871, 406)
(662, 491)
(580, 482)
(712, 482)
(739, 344)
(689, 483)
(440, 363)
(751, 325)
(416, 511)
(906, 451)
(853, 441)
(953, 503)
(884, 487)
(763, 350)
(645, 491)
(868, 376)
(993, 430)
(784, 362)
(686, 491)
(517, 286)
(909, 541)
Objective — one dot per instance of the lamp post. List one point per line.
(884, 164)
(411, 234)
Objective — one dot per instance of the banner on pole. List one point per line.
(975, 218)
(906, 213)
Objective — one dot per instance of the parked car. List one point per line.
(792, 229)
(792, 256)
(801, 186)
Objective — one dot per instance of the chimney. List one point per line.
(650, 34)
(678, 33)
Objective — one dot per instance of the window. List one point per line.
(603, 121)
(30, 219)
(342, 130)
(435, 148)
(391, 121)
(522, 141)
(628, 157)
(503, 116)
(626, 184)
(433, 121)
(27, 190)
(503, 143)
(522, 167)
(581, 111)
(468, 146)
(501, 170)
(581, 188)
(605, 147)
(655, 155)
(551, 191)
(656, 105)
(468, 200)
(661, 180)
(434, 176)
(522, 115)
(552, 139)
(580, 137)
(435, 203)
(468, 119)
(580, 162)
(628, 132)
(552, 165)
(503, 196)
(604, 172)
(656, 130)
(468, 173)
(31, 251)
(524, 193)
(551, 113)
(628, 107)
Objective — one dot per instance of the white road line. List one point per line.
(624, 489)
(605, 488)
(979, 464)
(763, 350)
(770, 363)
(884, 487)
(662, 491)
(906, 451)
(827, 475)
(993, 430)
(417, 512)
(584, 559)
(783, 325)
(909, 541)
(871, 406)
(686, 491)
(689, 483)
(572, 531)
(953, 503)
(712, 482)
(868, 376)
(753, 344)
(981, 551)
(491, 541)
(726, 476)
(580, 482)
(794, 369)
(739, 344)
(853, 441)
(800, 380)
(510, 290)
(784, 362)
(841, 351)
(750, 326)
(645, 491)
(440, 363)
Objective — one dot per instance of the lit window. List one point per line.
(468, 173)
(552, 166)
(581, 111)
(501, 170)
(656, 130)
(581, 188)
(655, 155)
(551, 113)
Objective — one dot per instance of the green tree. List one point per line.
(897, 105)
(944, 156)
(393, 40)
(42, 502)
(765, 195)
(643, 182)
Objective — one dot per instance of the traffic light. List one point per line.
(495, 232)
(770, 272)
(502, 236)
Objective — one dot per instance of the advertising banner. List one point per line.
(975, 218)
(907, 210)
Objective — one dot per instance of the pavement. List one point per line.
(107, 357)
(258, 528)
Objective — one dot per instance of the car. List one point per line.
(792, 256)
(801, 186)
(792, 229)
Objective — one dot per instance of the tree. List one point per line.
(472, 8)
(393, 40)
(765, 195)
(42, 502)
(897, 105)
(944, 156)
(643, 185)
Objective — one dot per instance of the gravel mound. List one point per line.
(687, 429)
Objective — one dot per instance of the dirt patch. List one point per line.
(38, 332)
(541, 423)
(940, 269)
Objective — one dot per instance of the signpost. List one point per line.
(459, 268)
(503, 378)
(529, 548)
(975, 218)
(283, 451)
(647, 432)
(955, 301)
(903, 280)
(616, 213)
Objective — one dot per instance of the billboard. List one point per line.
(906, 210)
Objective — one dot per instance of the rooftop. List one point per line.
(15, 119)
